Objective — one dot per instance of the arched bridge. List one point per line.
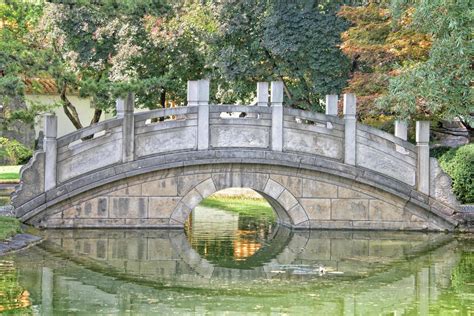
(150, 169)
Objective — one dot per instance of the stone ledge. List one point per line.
(18, 242)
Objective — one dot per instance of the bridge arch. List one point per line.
(289, 211)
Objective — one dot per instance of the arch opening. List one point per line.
(233, 227)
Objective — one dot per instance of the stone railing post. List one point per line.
(120, 107)
(125, 109)
(262, 93)
(50, 148)
(401, 131)
(276, 100)
(198, 95)
(331, 107)
(423, 154)
(350, 129)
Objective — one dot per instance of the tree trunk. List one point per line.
(163, 101)
(96, 117)
(69, 109)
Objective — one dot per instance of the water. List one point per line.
(231, 263)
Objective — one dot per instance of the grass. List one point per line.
(242, 206)
(9, 226)
(10, 174)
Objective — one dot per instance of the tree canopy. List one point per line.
(439, 87)
(405, 59)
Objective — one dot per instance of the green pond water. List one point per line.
(238, 262)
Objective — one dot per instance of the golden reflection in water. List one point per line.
(244, 247)
(12, 295)
(223, 230)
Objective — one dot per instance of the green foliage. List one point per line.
(18, 54)
(462, 275)
(378, 42)
(297, 42)
(241, 205)
(9, 226)
(459, 164)
(14, 152)
(440, 87)
(439, 151)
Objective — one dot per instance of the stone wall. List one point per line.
(301, 199)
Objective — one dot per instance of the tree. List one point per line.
(20, 57)
(439, 88)
(293, 41)
(93, 43)
(378, 44)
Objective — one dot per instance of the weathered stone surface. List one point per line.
(101, 155)
(188, 182)
(287, 200)
(255, 181)
(345, 193)
(298, 215)
(273, 189)
(374, 159)
(206, 188)
(94, 208)
(128, 207)
(440, 184)
(192, 199)
(239, 136)
(161, 207)
(292, 184)
(134, 190)
(165, 141)
(32, 180)
(382, 211)
(227, 180)
(313, 143)
(162, 187)
(317, 209)
(350, 209)
(317, 189)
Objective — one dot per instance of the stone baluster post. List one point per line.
(51, 149)
(126, 108)
(350, 129)
(198, 95)
(401, 131)
(120, 107)
(262, 93)
(331, 107)
(423, 154)
(276, 100)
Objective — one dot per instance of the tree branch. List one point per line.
(69, 109)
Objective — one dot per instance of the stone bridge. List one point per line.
(150, 169)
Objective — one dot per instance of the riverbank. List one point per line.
(12, 238)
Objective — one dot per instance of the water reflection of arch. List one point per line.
(395, 283)
(255, 265)
(157, 253)
(167, 254)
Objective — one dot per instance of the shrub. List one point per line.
(437, 152)
(459, 164)
(14, 152)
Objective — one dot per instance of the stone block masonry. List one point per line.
(309, 200)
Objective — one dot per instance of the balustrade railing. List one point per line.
(265, 125)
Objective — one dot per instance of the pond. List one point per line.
(235, 259)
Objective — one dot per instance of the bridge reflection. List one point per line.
(132, 270)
